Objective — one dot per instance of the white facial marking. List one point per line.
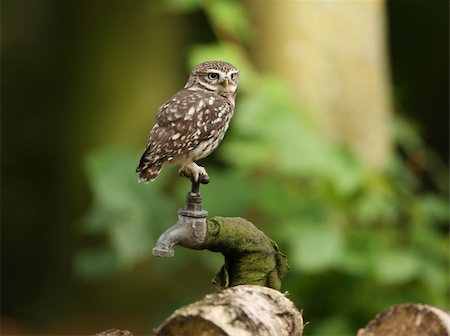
(209, 86)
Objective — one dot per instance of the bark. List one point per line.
(238, 311)
(114, 332)
(333, 56)
(409, 320)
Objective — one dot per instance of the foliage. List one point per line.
(122, 209)
(357, 240)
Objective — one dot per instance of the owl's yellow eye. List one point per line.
(233, 76)
(213, 75)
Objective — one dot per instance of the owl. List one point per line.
(192, 123)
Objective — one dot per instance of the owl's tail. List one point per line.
(148, 172)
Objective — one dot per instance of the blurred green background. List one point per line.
(356, 197)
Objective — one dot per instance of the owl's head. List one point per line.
(220, 77)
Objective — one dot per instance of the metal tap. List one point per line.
(189, 230)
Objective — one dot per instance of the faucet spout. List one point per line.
(189, 230)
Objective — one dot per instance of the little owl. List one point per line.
(192, 123)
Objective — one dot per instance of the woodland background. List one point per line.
(338, 151)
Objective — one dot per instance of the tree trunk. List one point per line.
(409, 320)
(333, 55)
(237, 311)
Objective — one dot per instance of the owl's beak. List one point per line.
(226, 84)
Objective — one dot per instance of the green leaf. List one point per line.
(361, 246)
(336, 326)
(313, 247)
(228, 194)
(434, 207)
(396, 267)
(377, 204)
(129, 214)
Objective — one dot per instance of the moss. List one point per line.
(251, 258)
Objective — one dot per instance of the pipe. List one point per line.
(189, 230)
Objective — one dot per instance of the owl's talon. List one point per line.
(195, 173)
(201, 175)
(204, 179)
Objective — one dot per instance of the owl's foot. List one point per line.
(196, 173)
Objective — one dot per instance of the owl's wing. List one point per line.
(182, 123)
